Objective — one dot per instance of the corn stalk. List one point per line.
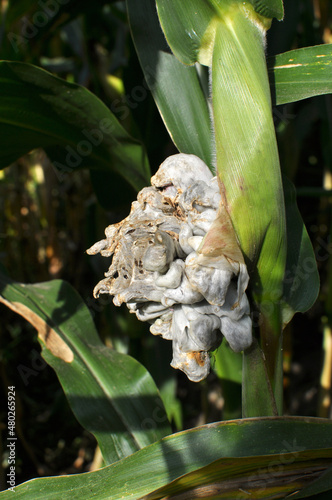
(229, 38)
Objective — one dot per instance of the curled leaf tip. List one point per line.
(177, 265)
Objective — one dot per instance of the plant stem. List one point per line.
(248, 167)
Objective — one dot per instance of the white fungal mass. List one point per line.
(189, 296)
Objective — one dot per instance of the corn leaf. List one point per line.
(38, 109)
(227, 364)
(269, 8)
(301, 280)
(221, 479)
(194, 43)
(274, 448)
(320, 485)
(111, 394)
(301, 73)
(185, 26)
(177, 89)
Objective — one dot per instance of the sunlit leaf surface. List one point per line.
(283, 442)
(301, 73)
(111, 394)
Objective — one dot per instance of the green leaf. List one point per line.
(283, 441)
(322, 484)
(269, 8)
(177, 89)
(74, 126)
(301, 280)
(188, 27)
(227, 364)
(110, 393)
(155, 357)
(301, 73)
(264, 477)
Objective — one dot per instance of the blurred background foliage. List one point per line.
(50, 218)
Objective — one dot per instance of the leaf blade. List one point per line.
(253, 475)
(111, 394)
(301, 280)
(301, 73)
(183, 453)
(41, 110)
(180, 98)
(269, 8)
(185, 26)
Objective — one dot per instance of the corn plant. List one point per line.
(211, 253)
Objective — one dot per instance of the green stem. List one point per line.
(257, 394)
(248, 167)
